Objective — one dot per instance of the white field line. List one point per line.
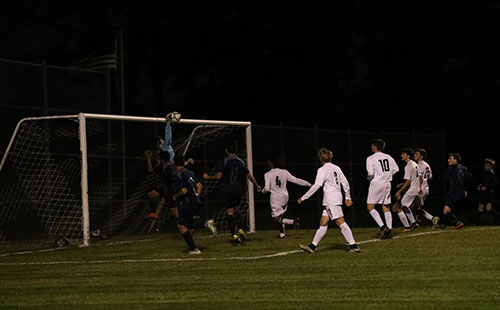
(160, 260)
(67, 248)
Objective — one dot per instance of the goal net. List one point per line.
(84, 175)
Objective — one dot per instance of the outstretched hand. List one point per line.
(148, 154)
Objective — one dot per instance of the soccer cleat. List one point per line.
(459, 225)
(354, 248)
(282, 236)
(435, 221)
(195, 252)
(414, 226)
(306, 248)
(152, 215)
(236, 239)
(211, 226)
(407, 229)
(296, 223)
(386, 234)
(242, 235)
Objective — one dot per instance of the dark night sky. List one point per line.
(333, 64)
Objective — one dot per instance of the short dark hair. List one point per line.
(164, 155)
(408, 151)
(457, 157)
(422, 152)
(379, 144)
(275, 161)
(232, 147)
(179, 160)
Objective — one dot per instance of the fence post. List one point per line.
(444, 157)
(351, 173)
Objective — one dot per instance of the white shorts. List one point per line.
(408, 199)
(379, 194)
(277, 211)
(333, 212)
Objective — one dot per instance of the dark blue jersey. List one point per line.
(234, 174)
(459, 178)
(187, 179)
(165, 172)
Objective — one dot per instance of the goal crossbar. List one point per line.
(82, 117)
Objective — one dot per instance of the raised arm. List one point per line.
(149, 157)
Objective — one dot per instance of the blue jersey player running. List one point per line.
(233, 173)
(187, 194)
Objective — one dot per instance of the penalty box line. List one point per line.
(160, 260)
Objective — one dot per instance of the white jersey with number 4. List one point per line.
(275, 183)
(411, 173)
(381, 167)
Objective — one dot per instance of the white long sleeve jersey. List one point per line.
(275, 183)
(426, 172)
(332, 179)
(381, 167)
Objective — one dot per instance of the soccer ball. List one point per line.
(173, 117)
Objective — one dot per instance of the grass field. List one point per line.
(425, 269)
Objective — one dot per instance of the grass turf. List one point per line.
(443, 270)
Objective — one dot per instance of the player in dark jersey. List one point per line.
(163, 187)
(233, 173)
(187, 193)
(459, 179)
(487, 191)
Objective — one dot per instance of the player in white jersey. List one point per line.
(408, 191)
(380, 168)
(332, 179)
(425, 173)
(275, 183)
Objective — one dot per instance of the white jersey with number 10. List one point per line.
(381, 167)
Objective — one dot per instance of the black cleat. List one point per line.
(387, 234)
(354, 248)
(308, 248)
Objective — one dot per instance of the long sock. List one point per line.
(376, 216)
(388, 219)
(188, 237)
(409, 214)
(452, 218)
(426, 214)
(232, 226)
(287, 221)
(320, 233)
(403, 219)
(153, 202)
(479, 217)
(282, 227)
(346, 231)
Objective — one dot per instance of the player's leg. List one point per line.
(153, 199)
(479, 214)
(449, 217)
(375, 196)
(320, 233)
(402, 217)
(347, 233)
(184, 225)
(406, 202)
(387, 233)
(489, 209)
(281, 226)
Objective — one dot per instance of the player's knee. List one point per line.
(406, 210)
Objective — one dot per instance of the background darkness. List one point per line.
(334, 64)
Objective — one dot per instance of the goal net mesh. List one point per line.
(40, 193)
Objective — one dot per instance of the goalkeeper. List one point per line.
(166, 145)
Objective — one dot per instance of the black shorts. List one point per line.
(453, 200)
(232, 199)
(166, 194)
(486, 197)
(188, 208)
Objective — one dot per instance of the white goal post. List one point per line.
(82, 131)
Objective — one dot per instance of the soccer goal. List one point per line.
(79, 176)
